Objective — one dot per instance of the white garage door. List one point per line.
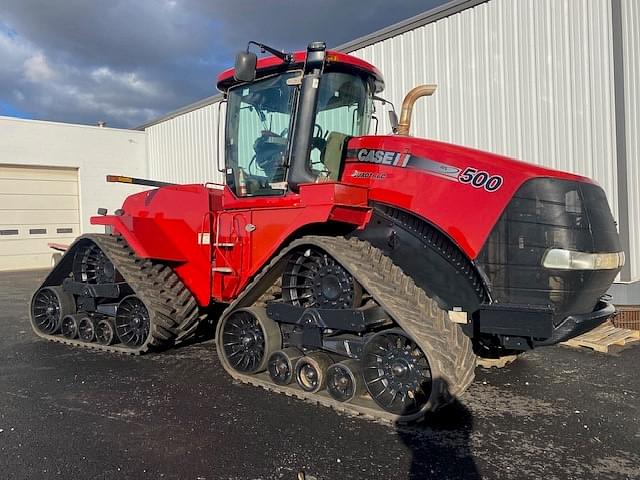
(37, 206)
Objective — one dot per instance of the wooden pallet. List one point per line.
(605, 338)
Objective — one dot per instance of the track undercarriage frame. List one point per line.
(133, 305)
(362, 302)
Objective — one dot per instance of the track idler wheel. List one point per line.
(49, 306)
(133, 321)
(248, 337)
(105, 331)
(282, 365)
(344, 380)
(311, 371)
(397, 373)
(69, 326)
(86, 329)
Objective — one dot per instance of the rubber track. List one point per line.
(173, 310)
(448, 349)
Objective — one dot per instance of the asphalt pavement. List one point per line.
(557, 413)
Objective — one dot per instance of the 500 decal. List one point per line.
(478, 179)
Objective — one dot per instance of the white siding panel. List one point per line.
(183, 149)
(631, 42)
(531, 79)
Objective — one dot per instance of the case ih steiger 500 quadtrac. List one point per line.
(361, 272)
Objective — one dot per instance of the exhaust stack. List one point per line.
(407, 106)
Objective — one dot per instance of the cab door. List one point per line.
(258, 122)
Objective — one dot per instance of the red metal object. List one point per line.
(59, 247)
(216, 242)
(168, 224)
(442, 199)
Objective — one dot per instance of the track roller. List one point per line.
(86, 329)
(49, 306)
(105, 331)
(311, 371)
(249, 337)
(132, 321)
(282, 365)
(344, 380)
(69, 326)
(396, 372)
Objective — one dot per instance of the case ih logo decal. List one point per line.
(470, 176)
(385, 158)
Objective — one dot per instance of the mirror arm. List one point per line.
(284, 56)
(393, 116)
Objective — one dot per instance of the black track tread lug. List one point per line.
(449, 351)
(174, 312)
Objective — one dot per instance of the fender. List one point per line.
(430, 257)
(167, 224)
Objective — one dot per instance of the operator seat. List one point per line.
(332, 154)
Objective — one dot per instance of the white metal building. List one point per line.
(552, 82)
(52, 179)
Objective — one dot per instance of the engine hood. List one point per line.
(462, 191)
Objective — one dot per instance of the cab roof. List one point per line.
(335, 61)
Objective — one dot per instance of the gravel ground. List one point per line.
(556, 413)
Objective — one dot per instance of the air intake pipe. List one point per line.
(407, 106)
(299, 171)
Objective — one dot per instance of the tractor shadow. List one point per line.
(441, 445)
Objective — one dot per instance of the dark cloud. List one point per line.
(127, 61)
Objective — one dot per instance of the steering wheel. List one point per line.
(318, 141)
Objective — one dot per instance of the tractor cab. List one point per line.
(289, 117)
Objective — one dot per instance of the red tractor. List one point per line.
(366, 273)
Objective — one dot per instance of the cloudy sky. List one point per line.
(128, 61)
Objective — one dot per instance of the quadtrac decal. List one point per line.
(468, 176)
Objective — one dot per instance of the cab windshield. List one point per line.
(259, 122)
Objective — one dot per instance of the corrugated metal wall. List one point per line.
(184, 149)
(631, 52)
(531, 79)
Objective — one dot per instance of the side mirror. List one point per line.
(245, 68)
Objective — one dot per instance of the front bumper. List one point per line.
(575, 325)
(521, 327)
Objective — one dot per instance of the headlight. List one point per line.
(561, 259)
